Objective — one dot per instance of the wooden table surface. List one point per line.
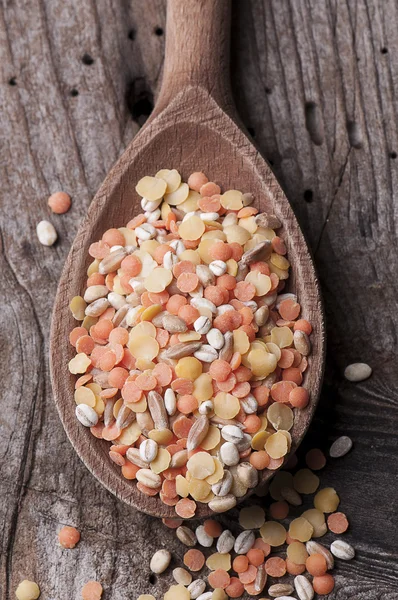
(316, 83)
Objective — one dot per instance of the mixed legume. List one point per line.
(190, 354)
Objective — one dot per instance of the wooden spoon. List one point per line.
(194, 127)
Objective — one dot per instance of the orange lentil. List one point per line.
(103, 328)
(274, 282)
(260, 266)
(131, 392)
(188, 313)
(160, 252)
(97, 430)
(261, 545)
(242, 373)
(68, 537)
(275, 566)
(227, 385)
(252, 423)
(182, 386)
(228, 321)
(235, 361)
(187, 404)
(76, 333)
(303, 365)
(255, 556)
(92, 590)
(299, 397)
(131, 265)
(219, 579)
(280, 391)
(162, 337)
(147, 490)
(128, 361)
(323, 584)
(146, 382)
(167, 500)
(247, 211)
(220, 369)
(337, 522)
(247, 315)
(172, 523)
(182, 426)
(209, 204)
(278, 245)
(159, 297)
(117, 377)
(96, 355)
(261, 394)
(220, 251)
(279, 510)
(303, 325)
(171, 223)
(286, 360)
(107, 361)
(249, 575)
(235, 588)
(292, 374)
(237, 251)
(119, 335)
(184, 266)
(212, 528)
(163, 374)
(193, 559)
(294, 569)
(228, 282)
(169, 488)
(316, 565)
(175, 302)
(241, 389)
(174, 339)
(187, 282)
(289, 539)
(83, 380)
(117, 458)
(120, 448)
(315, 459)
(209, 189)
(197, 180)
(113, 237)
(136, 221)
(95, 279)
(215, 294)
(244, 291)
(240, 564)
(85, 344)
(59, 202)
(259, 460)
(172, 473)
(99, 250)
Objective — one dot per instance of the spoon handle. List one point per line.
(197, 49)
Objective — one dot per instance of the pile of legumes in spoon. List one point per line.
(190, 355)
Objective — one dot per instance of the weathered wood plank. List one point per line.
(317, 82)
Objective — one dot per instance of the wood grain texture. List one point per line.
(189, 122)
(316, 82)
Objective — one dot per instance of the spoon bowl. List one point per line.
(194, 127)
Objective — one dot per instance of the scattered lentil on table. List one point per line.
(245, 562)
(190, 355)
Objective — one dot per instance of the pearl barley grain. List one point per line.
(46, 233)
